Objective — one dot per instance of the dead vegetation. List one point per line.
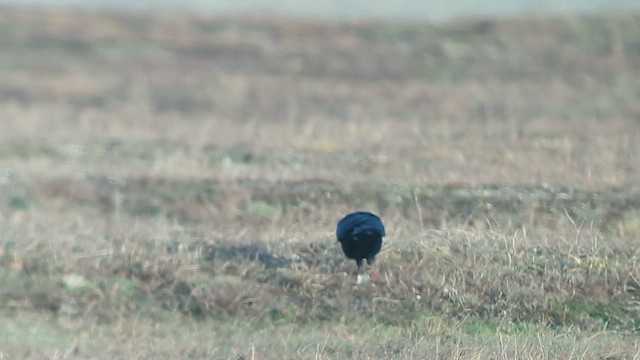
(169, 187)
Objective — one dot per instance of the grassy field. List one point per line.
(170, 185)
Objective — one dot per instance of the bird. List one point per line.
(360, 235)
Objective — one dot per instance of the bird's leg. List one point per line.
(359, 266)
(374, 274)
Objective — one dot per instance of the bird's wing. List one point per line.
(359, 223)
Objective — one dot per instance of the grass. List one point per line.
(169, 187)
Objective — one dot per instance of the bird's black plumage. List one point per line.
(360, 235)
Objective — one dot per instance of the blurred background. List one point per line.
(356, 9)
(172, 170)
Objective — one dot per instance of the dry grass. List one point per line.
(169, 187)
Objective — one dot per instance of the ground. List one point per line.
(170, 185)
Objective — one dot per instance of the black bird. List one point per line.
(360, 235)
